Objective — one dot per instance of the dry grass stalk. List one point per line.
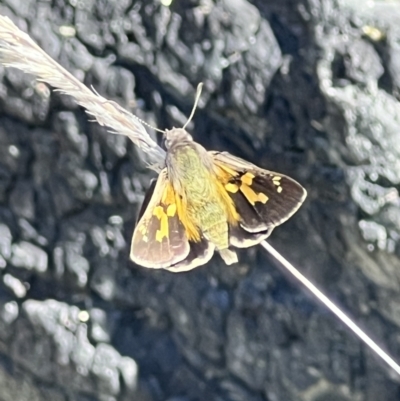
(18, 50)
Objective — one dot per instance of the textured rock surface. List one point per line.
(308, 88)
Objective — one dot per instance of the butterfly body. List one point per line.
(193, 177)
(205, 201)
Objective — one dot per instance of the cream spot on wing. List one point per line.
(142, 229)
(277, 181)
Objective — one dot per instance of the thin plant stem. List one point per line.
(332, 307)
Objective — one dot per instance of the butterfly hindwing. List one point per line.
(263, 199)
(200, 253)
(159, 239)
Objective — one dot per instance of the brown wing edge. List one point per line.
(240, 238)
(146, 200)
(200, 253)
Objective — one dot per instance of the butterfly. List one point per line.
(206, 201)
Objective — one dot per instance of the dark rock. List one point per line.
(309, 89)
(22, 200)
(5, 241)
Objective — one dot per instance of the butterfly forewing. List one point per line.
(159, 239)
(263, 199)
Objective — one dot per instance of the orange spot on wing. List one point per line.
(250, 195)
(223, 177)
(192, 232)
(233, 188)
(177, 205)
(247, 178)
(158, 212)
(171, 210)
(262, 198)
(230, 171)
(163, 231)
(230, 209)
(168, 196)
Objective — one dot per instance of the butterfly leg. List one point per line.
(228, 256)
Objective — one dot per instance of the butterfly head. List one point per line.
(176, 136)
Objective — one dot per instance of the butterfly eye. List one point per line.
(168, 138)
(167, 142)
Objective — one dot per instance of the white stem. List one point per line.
(338, 312)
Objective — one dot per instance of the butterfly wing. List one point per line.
(263, 199)
(159, 240)
(200, 253)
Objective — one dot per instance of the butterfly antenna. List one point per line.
(196, 101)
(148, 125)
(135, 117)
